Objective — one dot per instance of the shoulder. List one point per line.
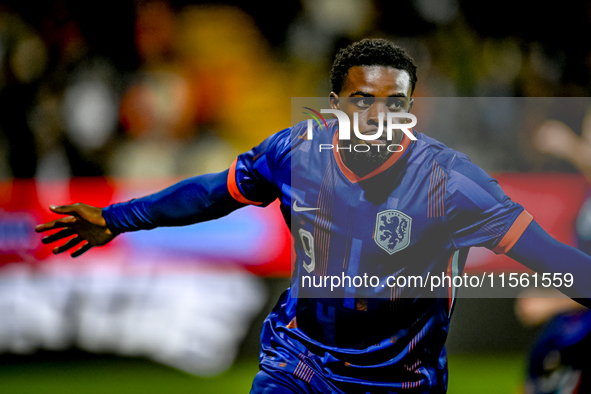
(438, 154)
(287, 139)
(272, 150)
(279, 141)
(461, 173)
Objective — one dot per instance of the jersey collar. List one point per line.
(351, 176)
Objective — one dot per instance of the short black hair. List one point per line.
(371, 52)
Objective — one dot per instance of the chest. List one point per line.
(392, 222)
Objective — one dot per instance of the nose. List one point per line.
(373, 118)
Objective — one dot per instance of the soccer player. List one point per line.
(354, 210)
(558, 361)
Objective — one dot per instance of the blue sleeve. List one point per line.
(190, 201)
(250, 180)
(538, 251)
(254, 178)
(478, 212)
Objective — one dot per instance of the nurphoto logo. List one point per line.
(394, 120)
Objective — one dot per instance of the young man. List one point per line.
(354, 210)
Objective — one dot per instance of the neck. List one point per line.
(363, 163)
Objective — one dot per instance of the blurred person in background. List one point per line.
(555, 138)
(23, 62)
(559, 361)
(59, 89)
(353, 343)
(174, 113)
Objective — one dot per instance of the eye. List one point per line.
(363, 102)
(395, 104)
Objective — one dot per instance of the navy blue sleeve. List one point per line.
(192, 200)
(537, 250)
(254, 178)
(477, 210)
(249, 180)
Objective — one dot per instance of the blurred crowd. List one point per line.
(156, 88)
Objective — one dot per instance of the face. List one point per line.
(369, 90)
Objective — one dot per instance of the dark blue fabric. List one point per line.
(257, 170)
(192, 200)
(537, 250)
(567, 342)
(279, 382)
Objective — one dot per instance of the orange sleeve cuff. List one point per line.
(514, 233)
(233, 187)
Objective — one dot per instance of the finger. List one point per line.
(70, 244)
(59, 223)
(57, 236)
(81, 250)
(64, 209)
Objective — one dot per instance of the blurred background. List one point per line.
(104, 101)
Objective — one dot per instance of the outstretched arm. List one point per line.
(537, 250)
(190, 201)
(249, 180)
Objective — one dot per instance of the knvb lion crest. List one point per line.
(392, 230)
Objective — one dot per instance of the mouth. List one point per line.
(377, 141)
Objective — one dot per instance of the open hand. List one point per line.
(85, 223)
(555, 138)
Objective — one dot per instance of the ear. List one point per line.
(411, 102)
(334, 100)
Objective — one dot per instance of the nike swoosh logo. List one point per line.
(302, 209)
